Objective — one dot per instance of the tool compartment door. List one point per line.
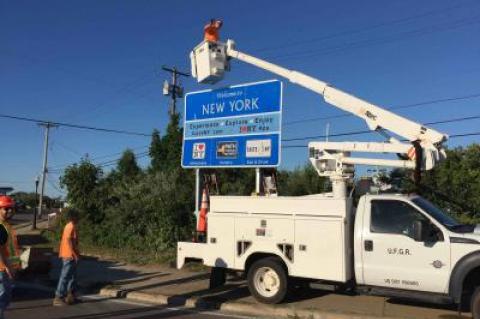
(221, 242)
(320, 249)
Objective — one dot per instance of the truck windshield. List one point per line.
(436, 213)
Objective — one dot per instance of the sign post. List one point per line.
(237, 126)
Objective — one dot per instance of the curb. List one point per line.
(258, 310)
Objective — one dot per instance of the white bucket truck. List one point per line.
(389, 245)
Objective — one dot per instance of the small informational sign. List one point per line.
(238, 126)
(259, 148)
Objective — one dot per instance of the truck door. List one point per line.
(391, 257)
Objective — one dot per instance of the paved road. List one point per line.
(36, 304)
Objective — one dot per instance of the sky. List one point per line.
(98, 63)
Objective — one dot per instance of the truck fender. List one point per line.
(462, 268)
(254, 256)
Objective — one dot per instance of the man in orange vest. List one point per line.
(69, 253)
(211, 30)
(9, 252)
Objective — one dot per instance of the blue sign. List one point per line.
(238, 126)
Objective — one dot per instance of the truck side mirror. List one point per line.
(418, 226)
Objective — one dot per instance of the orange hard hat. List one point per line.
(6, 201)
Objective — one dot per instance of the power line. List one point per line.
(450, 136)
(428, 102)
(128, 88)
(16, 182)
(330, 135)
(68, 148)
(138, 155)
(119, 153)
(465, 134)
(51, 183)
(461, 119)
(360, 30)
(360, 132)
(71, 125)
(60, 166)
(114, 161)
(369, 42)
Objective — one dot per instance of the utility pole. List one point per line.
(174, 90)
(47, 127)
(34, 222)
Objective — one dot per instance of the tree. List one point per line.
(127, 165)
(172, 143)
(82, 183)
(453, 185)
(26, 198)
(166, 151)
(301, 181)
(155, 151)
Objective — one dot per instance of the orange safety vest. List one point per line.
(69, 233)
(11, 250)
(211, 33)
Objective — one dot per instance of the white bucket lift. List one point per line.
(209, 61)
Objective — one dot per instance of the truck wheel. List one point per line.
(475, 304)
(267, 280)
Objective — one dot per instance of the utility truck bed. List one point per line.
(309, 233)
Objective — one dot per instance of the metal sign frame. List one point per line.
(236, 136)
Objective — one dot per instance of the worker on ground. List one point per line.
(69, 254)
(211, 30)
(9, 252)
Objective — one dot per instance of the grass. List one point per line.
(127, 255)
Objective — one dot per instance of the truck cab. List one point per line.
(402, 242)
(407, 243)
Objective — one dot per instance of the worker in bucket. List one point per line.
(211, 30)
(69, 254)
(9, 252)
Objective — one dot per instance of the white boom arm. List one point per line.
(375, 116)
(211, 60)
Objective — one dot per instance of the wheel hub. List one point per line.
(267, 281)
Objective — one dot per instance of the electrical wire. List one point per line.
(128, 88)
(422, 103)
(138, 155)
(93, 159)
(114, 161)
(450, 136)
(360, 30)
(382, 40)
(68, 148)
(71, 125)
(360, 132)
(51, 183)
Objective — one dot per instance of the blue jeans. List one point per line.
(68, 278)
(5, 292)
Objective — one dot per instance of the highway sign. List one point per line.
(237, 126)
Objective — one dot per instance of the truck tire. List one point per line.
(475, 303)
(267, 280)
